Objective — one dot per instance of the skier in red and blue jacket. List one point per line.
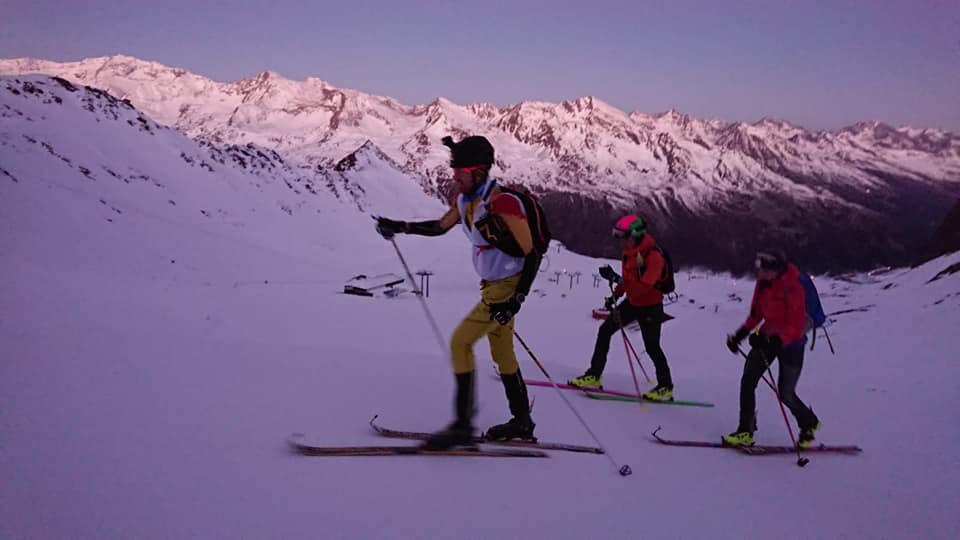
(779, 304)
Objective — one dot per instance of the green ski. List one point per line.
(634, 399)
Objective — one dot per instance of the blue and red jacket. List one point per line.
(781, 305)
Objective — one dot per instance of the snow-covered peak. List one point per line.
(484, 111)
(772, 123)
(367, 153)
(260, 80)
(869, 128)
(592, 105)
(673, 115)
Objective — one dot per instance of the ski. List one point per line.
(416, 435)
(535, 382)
(600, 393)
(302, 448)
(634, 399)
(759, 450)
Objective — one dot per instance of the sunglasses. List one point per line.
(457, 170)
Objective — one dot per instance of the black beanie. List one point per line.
(469, 152)
(771, 259)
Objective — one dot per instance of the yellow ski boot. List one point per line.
(738, 438)
(587, 382)
(659, 393)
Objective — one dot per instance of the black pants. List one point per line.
(791, 363)
(650, 319)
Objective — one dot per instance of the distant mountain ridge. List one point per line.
(862, 196)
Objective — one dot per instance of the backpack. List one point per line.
(666, 284)
(493, 230)
(815, 315)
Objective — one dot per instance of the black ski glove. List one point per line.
(608, 274)
(502, 312)
(733, 340)
(610, 302)
(389, 227)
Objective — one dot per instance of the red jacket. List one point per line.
(639, 278)
(781, 305)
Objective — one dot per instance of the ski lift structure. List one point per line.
(363, 285)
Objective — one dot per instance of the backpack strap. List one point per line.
(488, 191)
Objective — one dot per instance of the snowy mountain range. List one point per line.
(862, 196)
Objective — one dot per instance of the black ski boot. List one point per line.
(515, 428)
(460, 431)
(521, 426)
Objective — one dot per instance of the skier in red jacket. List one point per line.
(644, 268)
(779, 304)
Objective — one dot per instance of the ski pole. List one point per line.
(633, 372)
(624, 470)
(637, 356)
(830, 343)
(801, 461)
(626, 344)
(423, 303)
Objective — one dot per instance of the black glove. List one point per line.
(610, 302)
(766, 343)
(608, 274)
(388, 227)
(734, 339)
(502, 312)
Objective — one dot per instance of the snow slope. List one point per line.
(155, 363)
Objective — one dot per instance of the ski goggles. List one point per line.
(619, 233)
(462, 170)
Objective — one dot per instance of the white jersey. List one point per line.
(490, 263)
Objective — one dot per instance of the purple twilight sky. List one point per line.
(820, 64)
